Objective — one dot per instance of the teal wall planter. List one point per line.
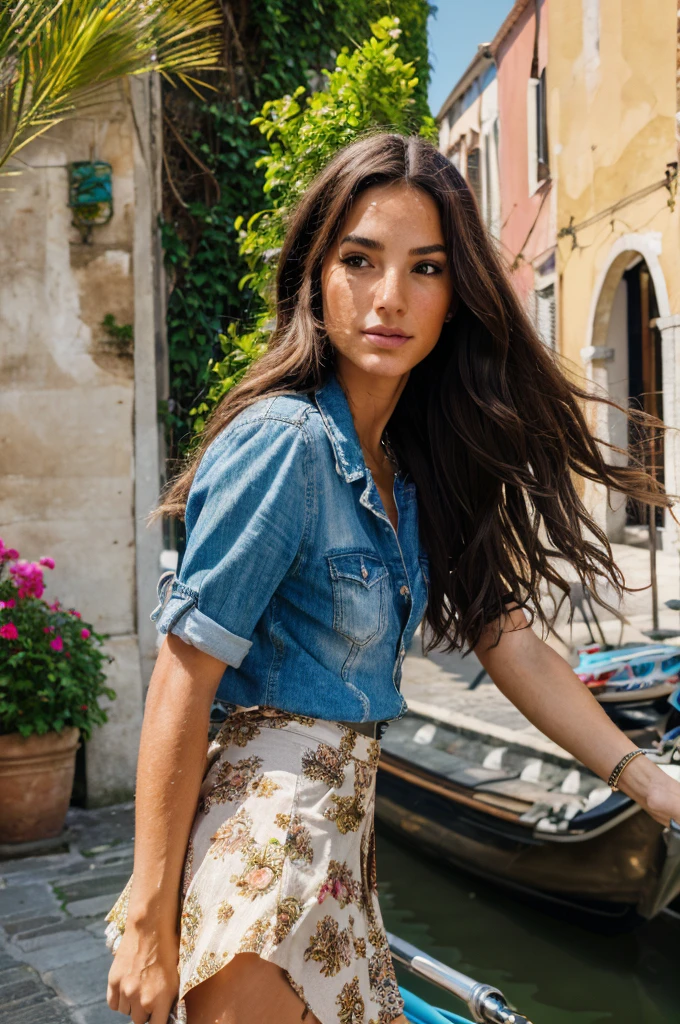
(90, 195)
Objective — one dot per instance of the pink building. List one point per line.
(527, 233)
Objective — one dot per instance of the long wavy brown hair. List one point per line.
(491, 430)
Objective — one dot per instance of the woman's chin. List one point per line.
(381, 362)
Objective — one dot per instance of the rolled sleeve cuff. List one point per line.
(208, 636)
(181, 617)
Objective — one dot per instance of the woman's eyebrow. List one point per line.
(367, 243)
(371, 243)
(426, 250)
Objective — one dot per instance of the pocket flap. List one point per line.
(358, 566)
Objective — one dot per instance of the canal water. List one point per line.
(554, 972)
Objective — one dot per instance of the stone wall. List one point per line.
(76, 424)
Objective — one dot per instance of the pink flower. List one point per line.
(7, 554)
(57, 644)
(48, 629)
(55, 607)
(47, 562)
(7, 604)
(28, 579)
(85, 633)
(9, 631)
(74, 613)
(259, 878)
(339, 890)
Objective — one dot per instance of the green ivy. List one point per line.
(119, 336)
(279, 49)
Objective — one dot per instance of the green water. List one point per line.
(552, 971)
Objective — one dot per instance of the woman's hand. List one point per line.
(144, 977)
(662, 800)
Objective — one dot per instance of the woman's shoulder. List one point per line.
(289, 413)
(270, 424)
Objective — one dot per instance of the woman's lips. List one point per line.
(386, 340)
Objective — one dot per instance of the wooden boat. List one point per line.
(640, 669)
(539, 823)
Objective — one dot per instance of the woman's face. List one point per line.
(386, 284)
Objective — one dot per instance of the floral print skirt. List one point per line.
(281, 862)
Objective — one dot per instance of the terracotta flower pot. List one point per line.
(36, 779)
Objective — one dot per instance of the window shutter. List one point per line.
(546, 315)
(474, 176)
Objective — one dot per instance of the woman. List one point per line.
(407, 440)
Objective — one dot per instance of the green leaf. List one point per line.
(64, 51)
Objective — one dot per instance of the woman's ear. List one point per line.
(453, 306)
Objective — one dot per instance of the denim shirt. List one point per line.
(293, 574)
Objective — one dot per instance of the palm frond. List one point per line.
(55, 53)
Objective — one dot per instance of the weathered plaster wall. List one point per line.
(612, 123)
(67, 399)
(526, 232)
(612, 110)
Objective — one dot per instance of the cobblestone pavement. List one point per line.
(53, 960)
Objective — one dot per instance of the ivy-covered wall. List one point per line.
(211, 150)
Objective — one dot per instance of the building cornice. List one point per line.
(486, 55)
(479, 63)
(506, 28)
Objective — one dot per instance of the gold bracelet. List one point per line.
(616, 774)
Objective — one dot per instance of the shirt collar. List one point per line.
(337, 417)
(349, 458)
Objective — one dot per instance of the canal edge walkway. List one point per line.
(436, 686)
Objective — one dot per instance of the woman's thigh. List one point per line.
(249, 990)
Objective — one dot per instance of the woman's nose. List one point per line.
(389, 293)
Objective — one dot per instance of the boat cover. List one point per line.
(419, 1012)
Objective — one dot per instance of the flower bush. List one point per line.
(51, 662)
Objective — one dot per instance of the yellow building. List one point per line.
(612, 134)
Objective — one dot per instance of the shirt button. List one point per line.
(404, 591)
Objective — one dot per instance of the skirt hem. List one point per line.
(281, 863)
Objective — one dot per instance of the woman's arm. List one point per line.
(143, 980)
(545, 689)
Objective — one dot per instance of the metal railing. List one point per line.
(487, 1004)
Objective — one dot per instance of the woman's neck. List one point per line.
(371, 400)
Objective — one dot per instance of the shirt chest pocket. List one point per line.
(359, 584)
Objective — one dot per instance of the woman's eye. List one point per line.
(428, 269)
(354, 261)
(358, 261)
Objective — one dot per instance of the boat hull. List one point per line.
(607, 874)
